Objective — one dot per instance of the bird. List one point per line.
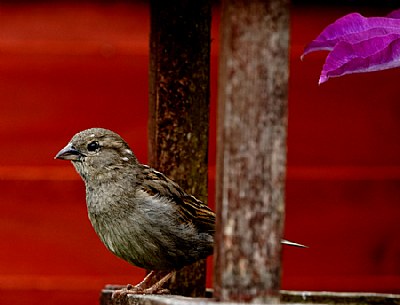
(140, 214)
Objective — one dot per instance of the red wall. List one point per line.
(64, 68)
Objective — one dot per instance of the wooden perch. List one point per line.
(287, 297)
(179, 106)
(251, 150)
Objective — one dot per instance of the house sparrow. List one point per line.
(138, 213)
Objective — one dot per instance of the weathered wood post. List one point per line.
(251, 148)
(179, 106)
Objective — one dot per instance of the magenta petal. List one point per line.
(374, 54)
(353, 28)
(394, 14)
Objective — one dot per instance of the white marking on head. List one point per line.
(128, 151)
(92, 135)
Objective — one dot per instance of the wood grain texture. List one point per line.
(251, 148)
(179, 106)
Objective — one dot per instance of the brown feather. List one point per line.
(190, 208)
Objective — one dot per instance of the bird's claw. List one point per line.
(130, 289)
(162, 291)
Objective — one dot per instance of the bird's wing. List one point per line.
(190, 208)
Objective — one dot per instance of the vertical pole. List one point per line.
(251, 149)
(179, 106)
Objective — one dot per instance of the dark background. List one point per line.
(68, 66)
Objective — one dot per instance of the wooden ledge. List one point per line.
(348, 298)
(288, 297)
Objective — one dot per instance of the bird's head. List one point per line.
(97, 153)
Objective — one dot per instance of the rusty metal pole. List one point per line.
(251, 149)
(179, 106)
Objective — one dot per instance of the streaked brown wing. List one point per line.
(190, 208)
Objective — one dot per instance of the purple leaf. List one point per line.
(375, 54)
(394, 14)
(352, 28)
(359, 44)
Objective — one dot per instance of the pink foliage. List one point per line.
(359, 44)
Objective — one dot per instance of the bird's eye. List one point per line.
(93, 146)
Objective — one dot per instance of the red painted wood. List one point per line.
(67, 67)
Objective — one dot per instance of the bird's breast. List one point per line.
(147, 231)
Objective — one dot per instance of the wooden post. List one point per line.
(251, 149)
(179, 106)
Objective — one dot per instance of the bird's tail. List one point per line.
(290, 243)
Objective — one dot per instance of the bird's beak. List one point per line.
(69, 153)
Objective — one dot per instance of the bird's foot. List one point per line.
(130, 289)
(143, 287)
